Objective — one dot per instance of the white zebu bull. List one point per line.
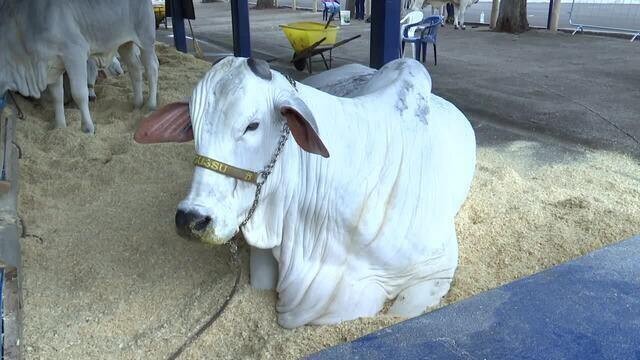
(372, 222)
(40, 39)
(459, 8)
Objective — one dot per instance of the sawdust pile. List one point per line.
(105, 276)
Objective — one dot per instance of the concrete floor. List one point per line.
(581, 90)
(594, 13)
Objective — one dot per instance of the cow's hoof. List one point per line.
(455, 27)
(151, 107)
(88, 129)
(138, 103)
(464, 28)
(92, 98)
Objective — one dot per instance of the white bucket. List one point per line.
(345, 17)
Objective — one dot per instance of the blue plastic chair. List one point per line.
(427, 33)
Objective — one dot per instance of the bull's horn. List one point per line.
(260, 68)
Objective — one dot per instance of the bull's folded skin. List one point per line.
(371, 222)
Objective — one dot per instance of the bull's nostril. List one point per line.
(202, 223)
(182, 219)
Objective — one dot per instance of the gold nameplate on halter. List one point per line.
(225, 169)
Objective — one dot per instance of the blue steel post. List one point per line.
(177, 22)
(385, 32)
(549, 16)
(240, 24)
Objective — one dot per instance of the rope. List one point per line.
(235, 259)
(196, 47)
(13, 100)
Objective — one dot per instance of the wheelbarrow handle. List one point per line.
(329, 21)
(305, 52)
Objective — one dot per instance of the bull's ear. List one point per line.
(302, 125)
(171, 123)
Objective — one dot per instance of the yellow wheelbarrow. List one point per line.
(311, 38)
(160, 13)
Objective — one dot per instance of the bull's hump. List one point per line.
(407, 84)
(398, 74)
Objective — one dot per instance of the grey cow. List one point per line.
(41, 39)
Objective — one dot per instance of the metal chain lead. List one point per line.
(268, 169)
(264, 174)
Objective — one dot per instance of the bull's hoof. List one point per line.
(138, 103)
(455, 27)
(88, 129)
(92, 98)
(464, 28)
(151, 107)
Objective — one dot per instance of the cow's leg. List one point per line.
(77, 71)
(57, 94)
(92, 76)
(437, 275)
(263, 268)
(128, 55)
(415, 300)
(442, 14)
(456, 11)
(151, 65)
(462, 11)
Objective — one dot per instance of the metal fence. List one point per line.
(612, 15)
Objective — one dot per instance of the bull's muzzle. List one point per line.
(190, 223)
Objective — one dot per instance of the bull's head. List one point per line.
(235, 116)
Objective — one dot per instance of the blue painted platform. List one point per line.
(588, 308)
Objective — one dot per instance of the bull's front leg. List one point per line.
(462, 11)
(128, 55)
(92, 77)
(151, 65)
(77, 71)
(263, 268)
(57, 95)
(456, 12)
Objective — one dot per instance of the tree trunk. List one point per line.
(513, 16)
(495, 4)
(265, 4)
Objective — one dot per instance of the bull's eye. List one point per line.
(251, 127)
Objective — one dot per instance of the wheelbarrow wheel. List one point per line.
(299, 64)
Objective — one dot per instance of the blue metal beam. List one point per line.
(549, 16)
(385, 32)
(177, 23)
(240, 25)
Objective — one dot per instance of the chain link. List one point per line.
(264, 174)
